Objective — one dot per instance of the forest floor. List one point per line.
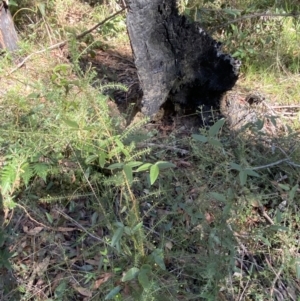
(220, 222)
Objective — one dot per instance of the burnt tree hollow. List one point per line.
(176, 59)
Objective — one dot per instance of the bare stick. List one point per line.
(271, 164)
(99, 24)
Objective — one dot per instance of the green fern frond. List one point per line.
(50, 199)
(27, 173)
(155, 195)
(113, 86)
(8, 177)
(41, 170)
(133, 128)
(138, 154)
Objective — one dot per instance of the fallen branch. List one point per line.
(63, 43)
(287, 160)
(270, 165)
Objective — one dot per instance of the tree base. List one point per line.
(8, 34)
(175, 58)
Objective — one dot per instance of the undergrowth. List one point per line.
(91, 213)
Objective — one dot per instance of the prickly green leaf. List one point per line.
(117, 236)
(71, 123)
(158, 257)
(60, 290)
(293, 192)
(284, 187)
(164, 164)
(137, 227)
(128, 230)
(218, 197)
(235, 166)
(102, 159)
(130, 274)
(12, 3)
(91, 159)
(252, 173)
(134, 164)
(243, 177)
(154, 172)
(128, 172)
(265, 241)
(113, 293)
(214, 129)
(42, 9)
(144, 167)
(49, 218)
(115, 166)
(143, 276)
(215, 142)
(200, 138)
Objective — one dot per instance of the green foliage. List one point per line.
(152, 231)
(113, 27)
(5, 255)
(251, 30)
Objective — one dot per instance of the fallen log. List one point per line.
(176, 59)
(8, 34)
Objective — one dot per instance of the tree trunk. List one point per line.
(175, 58)
(8, 34)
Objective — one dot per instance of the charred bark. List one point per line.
(175, 58)
(8, 34)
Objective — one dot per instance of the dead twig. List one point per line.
(270, 165)
(100, 23)
(79, 226)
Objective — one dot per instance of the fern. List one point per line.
(41, 170)
(27, 174)
(133, 128)
(113, 86)
(8, 177)
(138, 154)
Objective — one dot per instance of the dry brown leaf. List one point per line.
(82, 291)
(102, 280)
(33, 231)
(169, 245)
(42, 266)
(209, 217)
(182, 163)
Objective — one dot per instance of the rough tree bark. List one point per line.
(8, 34)
(175, 58)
